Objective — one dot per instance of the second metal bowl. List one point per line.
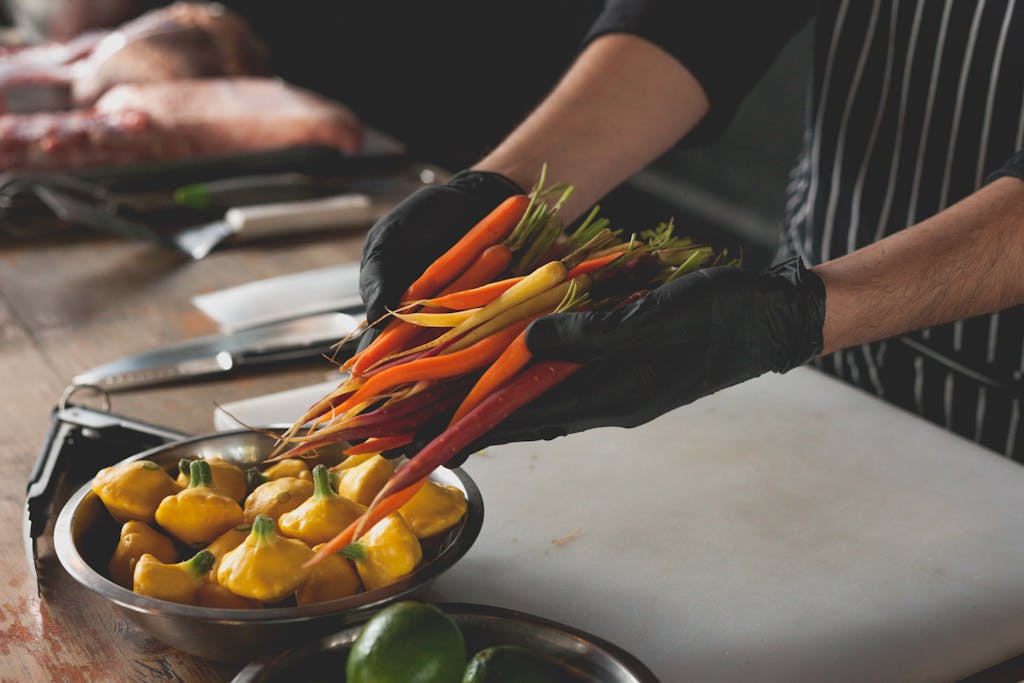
(581, 656)
(85, 536)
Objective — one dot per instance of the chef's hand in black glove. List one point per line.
(686, 339)
(401, 245)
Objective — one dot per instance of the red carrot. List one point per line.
(400, 424)
(509, 363)
(525, 387)
(393, 409)
(380, 444)
(492, 229)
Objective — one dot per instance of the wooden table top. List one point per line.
(73, 301)
(70, 302)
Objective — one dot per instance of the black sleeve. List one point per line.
(1014, 168)
(727, 45)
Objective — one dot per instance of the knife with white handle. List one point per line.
(338, 212)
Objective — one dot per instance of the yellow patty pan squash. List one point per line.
(434, 508)
(174, 582)
(265, 567)
(322, 516)
(228, 478)
(133, 490)
(212, 594)
(332, 578)
(277, 497)
(386, 553)
(289, 467)
(137, 539)
(364, 481)
(229, 540)
(200, 513)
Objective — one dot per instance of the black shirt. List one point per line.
(913, 105)
(449, 78)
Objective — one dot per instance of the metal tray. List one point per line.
(308, 159)
(584, 656)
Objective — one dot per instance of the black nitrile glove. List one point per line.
(401, 245)
(689, 338)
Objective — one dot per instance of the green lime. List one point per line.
(510, 664)
(407, 642)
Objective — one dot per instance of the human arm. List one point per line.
(961, 262)
(624, 102)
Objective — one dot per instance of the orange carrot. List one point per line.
(473, 298)
(509, 363)
(494, 260)
(398, 334)
(436, 367)
(492, 229)
(593, 264)
(386, 507)
(379, 444)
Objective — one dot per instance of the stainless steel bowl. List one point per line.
(85, 536)
(583, 656)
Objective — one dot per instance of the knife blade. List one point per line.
(222, 353)
(283, 297)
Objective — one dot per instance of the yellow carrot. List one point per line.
(542, 303)
(537, 282)
(437, 319)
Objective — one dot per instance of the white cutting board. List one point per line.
(791, 528)
(788, 529)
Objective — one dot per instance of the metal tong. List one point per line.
(80, 441)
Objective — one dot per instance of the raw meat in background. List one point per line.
(182, 40)
(172, 120)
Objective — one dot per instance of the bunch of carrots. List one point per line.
(454, 349)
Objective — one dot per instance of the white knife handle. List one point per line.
(328, 213)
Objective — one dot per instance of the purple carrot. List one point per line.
(400, 424)
(525, 387)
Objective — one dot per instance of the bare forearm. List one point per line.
(623, 103)
(965, 261)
